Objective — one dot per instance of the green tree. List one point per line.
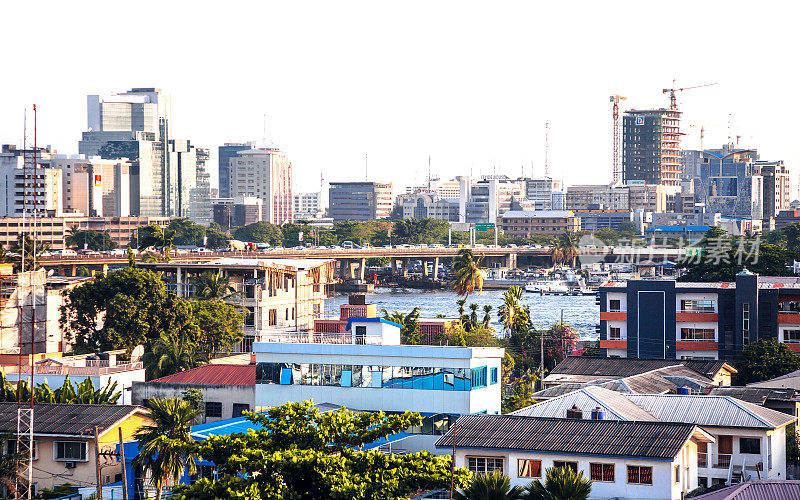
(473, 315)
(520, 395)
(492, 486)
(511, 307)
(212, 285)
(219, 327)
(296, 452)
(723, 260)
(460, 303)
(216, 239)
(568, 246)
(186, 232)
(24, 245)
(94, 240)
(765, 360)
(607, 235)
(416, 231)
(165, 446)
(131, 257)
(561, 483)
(467, 275)
(487, 315)
(260, 232)
(169, 354)
(157, 237)
(410, 321)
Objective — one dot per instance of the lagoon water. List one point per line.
(580, 312)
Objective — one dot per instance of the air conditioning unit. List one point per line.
(70, 465)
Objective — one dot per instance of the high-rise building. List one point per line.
(22, 192)
(651, 150)
(193, 188)
(544, 193)
(265, 173)
(92, 186)
(135, 125)
(224, 155)
(636, 196)
(776, 186)
(493, 196)
(360, 200)
(307, 205)
(237, 212)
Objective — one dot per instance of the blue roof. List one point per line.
(371, 320)
(223, 427)
(678, 229)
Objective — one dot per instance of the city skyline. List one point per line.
(472, 88)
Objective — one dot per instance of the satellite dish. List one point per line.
(137, 353)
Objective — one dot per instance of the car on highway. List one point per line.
(66, 252)
(350, 245)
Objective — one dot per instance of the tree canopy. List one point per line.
(765, 360)
(260, 232)
(298, 453)
(94, 240)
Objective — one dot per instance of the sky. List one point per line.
(470, 84)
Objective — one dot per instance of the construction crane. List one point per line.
(673, 102)
(615, 160)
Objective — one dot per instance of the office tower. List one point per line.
(192, 186)
(20, 193)
(93, 187)
(135, 125)
(225, 153)
(651, 146)
(307, 205)
(237, 212)
(360, 200)
(491, 197)
(544, 192)
(265, 173)
(776, 186)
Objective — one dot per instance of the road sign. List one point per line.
(484, 226)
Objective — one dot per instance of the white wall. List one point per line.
(696, 296)
(622, 297)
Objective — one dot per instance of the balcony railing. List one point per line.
(74, 370)
(318, 338)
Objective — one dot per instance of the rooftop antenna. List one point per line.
(730, 127)
(429, 172)
(547, 149)
(366, 167)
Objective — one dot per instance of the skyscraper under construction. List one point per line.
(651, 148)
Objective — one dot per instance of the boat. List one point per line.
(549, 287)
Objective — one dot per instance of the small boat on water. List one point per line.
(549, 287)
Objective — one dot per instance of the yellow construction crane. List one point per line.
(615, 160)
(673, 102)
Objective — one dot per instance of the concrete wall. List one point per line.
(228, 395)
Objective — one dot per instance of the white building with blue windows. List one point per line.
(368, 369)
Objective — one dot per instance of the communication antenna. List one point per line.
(366, 167)
(547, 149)
(429, 173)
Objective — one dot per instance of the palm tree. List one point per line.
(170, 354)
(461, 303)
(511, 307)
(568, 243)
(561, 483)
(487, 315)
(492, 486)
(473, 315)
(165, 446)
(212, 285)
(467, 276)
(556, 255)
(155, 236)
(410, 321)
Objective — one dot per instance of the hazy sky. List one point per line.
(470, 84)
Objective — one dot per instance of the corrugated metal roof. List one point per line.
(584, 437)
(70, 419)
(714, 411)
(626, 367)
(755, 395)
(213, 375)
(617, 406)
(758, 490)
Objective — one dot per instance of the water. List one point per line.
(580, 312)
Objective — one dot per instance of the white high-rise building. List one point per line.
(265, 173)
(307, 205)
(19, 193)
(92, 186)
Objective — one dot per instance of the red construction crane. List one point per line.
(673, 102)
(615, 160)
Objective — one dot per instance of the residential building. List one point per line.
(280, 295)
(308, 205)
(782, 400)
(691, 320)
(786, 218)
(64, 440)
(750, 490)
(651, 150)
(237, 212)
(445, 190)
(224, 155)
(636, 460)
(746, 438)
(135, 125)
(597, 370)
(265, 173)
(228, 390)
(524, 224)
(777, 181)
(788, 381)
(360, 200)
(93, 187)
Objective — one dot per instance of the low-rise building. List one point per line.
(623, 459)
(63, 440)
(228, 389)
(524, 224)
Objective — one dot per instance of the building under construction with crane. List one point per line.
(651, 147)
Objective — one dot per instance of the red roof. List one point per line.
(214, 375)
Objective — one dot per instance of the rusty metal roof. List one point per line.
(213, 375)
(658, 440)
(758, 490)
(66, 419)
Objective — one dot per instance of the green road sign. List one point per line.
(484, 226)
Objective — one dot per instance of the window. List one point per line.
(791, 336)
(213, 409)
(250, 317)
(638, 474)
(566, 465)
(273, 317)
(494, 374)
(697, 306)
(614, 305)
(527, 467)
(239, 408)
(483, 465)
(677, 469)
(70, 451)
(479, 377)
(11, 448)
(602, 472)
(614, 333)
(361, 335)
(745, 324)
(750, 446)
(697, 334)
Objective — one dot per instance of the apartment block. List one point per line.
(524, 224)
(651, 149)
(224, 155)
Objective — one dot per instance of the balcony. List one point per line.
(613, 316)
(696, 345)
(318, 338)
(65, 369)
(714, 460)
(614, 344)
(696, 316)
(791, 318)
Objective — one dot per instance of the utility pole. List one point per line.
(97, 463)
(453, 464)
(124, 467)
